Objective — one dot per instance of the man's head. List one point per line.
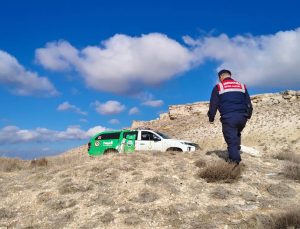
(223, 74)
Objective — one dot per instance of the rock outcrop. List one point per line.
(201, 108)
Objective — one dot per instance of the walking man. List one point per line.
(232, 100)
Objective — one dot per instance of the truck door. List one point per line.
(129, 145)
(148, 141)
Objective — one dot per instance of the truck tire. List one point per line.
(110, 151)
(175, 149)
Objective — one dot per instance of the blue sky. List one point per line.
(71, 68)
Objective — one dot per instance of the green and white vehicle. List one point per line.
(136, 140)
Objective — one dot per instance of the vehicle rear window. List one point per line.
(131, 133)
(108, 136)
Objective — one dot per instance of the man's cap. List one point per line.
(224, 71)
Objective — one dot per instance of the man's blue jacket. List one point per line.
(229, 96)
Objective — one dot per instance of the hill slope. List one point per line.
(164, 190)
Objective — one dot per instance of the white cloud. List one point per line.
(114, 121)
(57, 56)
(148, 99)
(121, 64)
(134, 110)
(266, 60)
(13, 134)
(66, 106)
(97, 129)
(83, 120)
(110, 107)
(21, 81)
(153, 103)
(124, 64)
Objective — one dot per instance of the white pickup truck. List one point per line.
(147, 139)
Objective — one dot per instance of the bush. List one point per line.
(221, 171)
(10, 165)
(200, 163)
(292, 171)
(288, 156)
(288, 219)
(39, 162)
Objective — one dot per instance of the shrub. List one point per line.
(107, 217)
(288, 219)
(145, 196)
(292, 171)
(10, 165)
(200, 163)
(39, 162)
(288, 156)
(221, 171)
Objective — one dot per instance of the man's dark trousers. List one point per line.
(232, 126)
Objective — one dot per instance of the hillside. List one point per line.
(167, 190)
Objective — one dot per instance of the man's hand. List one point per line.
(211, 120)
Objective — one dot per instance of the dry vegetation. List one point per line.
(142, 190)
(39, 162)
(219, 171)
(10, 164)
(287, 219)
(289, 156)
(292, 171)
(292, 166)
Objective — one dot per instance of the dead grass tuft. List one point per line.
(200, 163)
(10, 164)
(288, 156)
(220, 193)
(220, 171)
(145, 196)
(292, 171)
(68, 187)
(39, 162)
(107, 217)
(132, 220)
(6, 214)
(288, 219)
(60, 204)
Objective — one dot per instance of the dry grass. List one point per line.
(107, 217)
(221, 171)
(288, 156)
(39, 162)
(288, 219)
(68, 187)
(71, 158)
(292, 171)
(200, 163)
(145, 196)
(10, 165)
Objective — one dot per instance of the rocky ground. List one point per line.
(165, 190)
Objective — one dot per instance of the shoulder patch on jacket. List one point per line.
(231, 86)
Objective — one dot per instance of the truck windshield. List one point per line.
(163, 135)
